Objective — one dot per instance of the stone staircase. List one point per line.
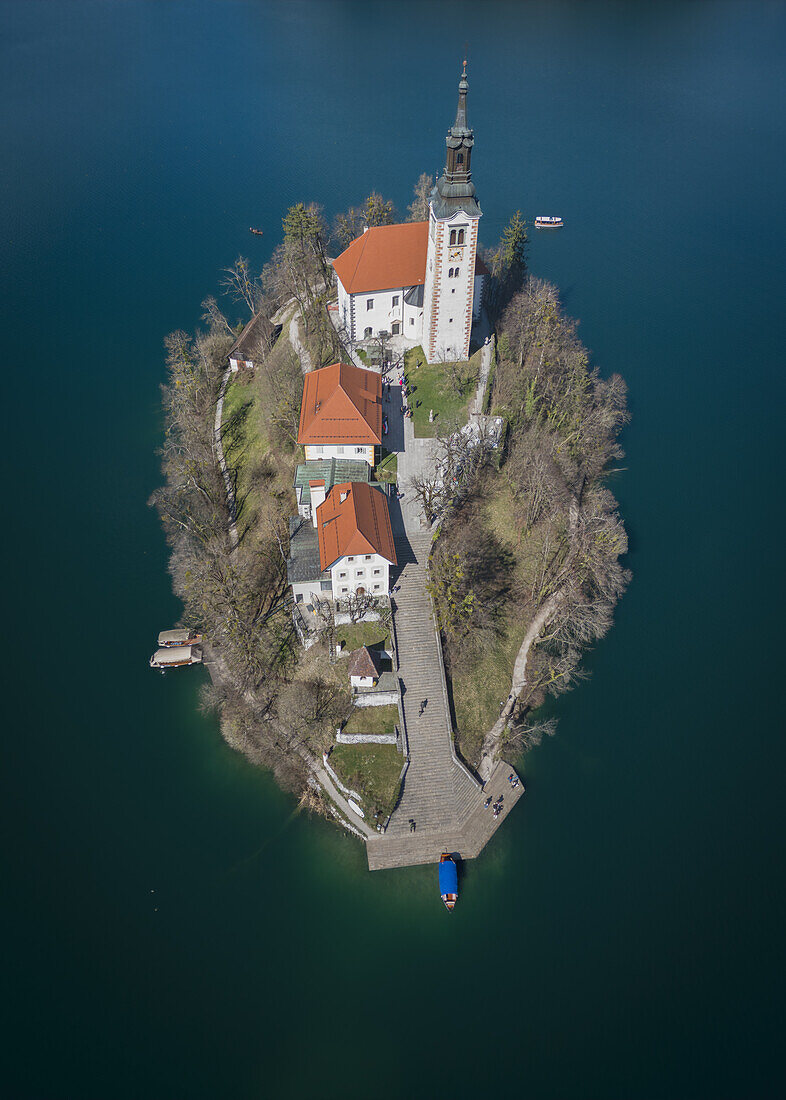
(437, 791)
(440, 795)
(442, 798)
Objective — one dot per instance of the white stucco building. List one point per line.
(341, 413)
(350, 551)
(421, 280)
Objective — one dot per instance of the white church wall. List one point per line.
(378, 310)
(477, 296)
(450, 284)
(344, 303)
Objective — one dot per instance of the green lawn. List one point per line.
(387, 467)
(360, 634)
(244, 445)
(373, 771)
(372, 720)
(433, 389)
(477, 693)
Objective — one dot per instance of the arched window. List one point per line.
(450, 272)
(460, 158)
(453, 236)
(461, 236)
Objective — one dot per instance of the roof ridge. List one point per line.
(362, 239)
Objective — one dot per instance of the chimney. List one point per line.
(317, 497)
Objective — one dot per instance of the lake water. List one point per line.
(173, 928)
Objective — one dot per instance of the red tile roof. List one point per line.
(385, 257)
(341, 404)
(362, 663)
(358, 524)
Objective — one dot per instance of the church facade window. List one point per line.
(369, 303)
(394, 303)
(366, 333)
(452, 236)
(460, 236)
(395, 328)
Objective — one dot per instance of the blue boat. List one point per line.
(448, 880)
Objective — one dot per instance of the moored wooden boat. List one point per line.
(448, 880)
(176, 657)
(168, 638)
(257, 232)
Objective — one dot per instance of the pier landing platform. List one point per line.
(465, 841)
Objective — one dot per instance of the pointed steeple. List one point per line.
(454, 189)
(461, 111)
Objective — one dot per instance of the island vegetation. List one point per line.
(525, 567)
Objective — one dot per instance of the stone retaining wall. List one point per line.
(375, 699)
(366, 739)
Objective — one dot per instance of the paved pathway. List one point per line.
(478, 401)
(218, 447)
(441, 797)
(437, 789)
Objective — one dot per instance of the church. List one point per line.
(421, 282)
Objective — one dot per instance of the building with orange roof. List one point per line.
(356, 540)
(421, 281)
(341, 413)
(351, 550)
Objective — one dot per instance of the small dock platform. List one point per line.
(465, 841)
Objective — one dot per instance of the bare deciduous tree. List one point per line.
(242, 285)
(417, 211)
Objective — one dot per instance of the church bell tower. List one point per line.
(454, 213)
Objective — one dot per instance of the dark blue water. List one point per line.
(172, 927)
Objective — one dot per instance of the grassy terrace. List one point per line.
(264, 466)
(353, 636)
(434, 390)
(373, 771)
(372, 720)
(477, 691)
(387, 467)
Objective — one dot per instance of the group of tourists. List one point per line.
(497, 807)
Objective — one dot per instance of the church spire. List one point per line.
(455, 189)
(461, 110)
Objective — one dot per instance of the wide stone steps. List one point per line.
(438, 794)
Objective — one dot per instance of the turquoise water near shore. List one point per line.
(172, 927)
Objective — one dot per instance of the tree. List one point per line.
(304, 234)
(378, 211)
(508, 265)
(242, 285)
(374, 211)
(514, 249)
(418, 211)
(213, 316)
(358, 604)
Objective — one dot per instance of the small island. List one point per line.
(386, 497)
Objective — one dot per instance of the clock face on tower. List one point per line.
(455, 253)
